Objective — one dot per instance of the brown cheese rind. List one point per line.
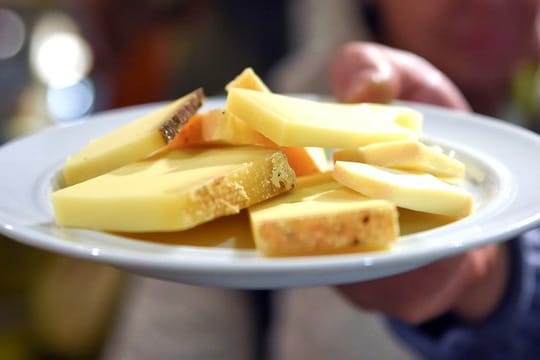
(191, 104)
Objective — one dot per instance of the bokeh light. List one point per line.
(12, 33)
(71, 102)
(60, 57)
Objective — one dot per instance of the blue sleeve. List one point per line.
(511, 332)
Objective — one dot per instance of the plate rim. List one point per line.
(28, 235)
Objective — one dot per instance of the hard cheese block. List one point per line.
(321, 216)
(421, 192)
(406, 155)
(290, 121)
(176, 190)
(131, 142)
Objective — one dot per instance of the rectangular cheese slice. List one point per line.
(408, 155)
(131, 142)
(291, 121)
(176, 190)
(321, 216)
(420, 192)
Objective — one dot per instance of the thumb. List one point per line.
(374, 73)
(363, 73)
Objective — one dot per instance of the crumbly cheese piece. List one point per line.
(408, 155)
(321, 216)
(133, 141)
(176, 190)
(291, 121)
(421, 192)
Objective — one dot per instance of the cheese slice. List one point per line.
(421, 192)
(176, 190)
(247, 79)
(131, 142)
(214, 127)
(408, 155)
(321, 216)
(291, 121)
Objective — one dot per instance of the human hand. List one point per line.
(470, 284)
(363, 71)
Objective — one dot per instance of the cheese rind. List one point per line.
(321, 216)
(408, 155)
(421, 192)
(131, 142)
(176, 190)
(291, 121)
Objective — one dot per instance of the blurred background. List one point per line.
(63, 60)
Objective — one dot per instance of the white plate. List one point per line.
(502, 161)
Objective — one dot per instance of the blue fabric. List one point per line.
(511, 332)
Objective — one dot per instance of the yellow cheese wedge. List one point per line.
(131, 142)
(406, 155)
(291, 121)
(421, 192)
(248, 79)
(321, 216)
(176, 190)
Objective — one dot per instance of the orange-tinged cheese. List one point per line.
(307, 160)
(214, 127)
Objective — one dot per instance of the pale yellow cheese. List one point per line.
(291, 121)
(409, 155)
(248, 79)
(421, 192)
(131, 142)
(321, 216)
(176, 190)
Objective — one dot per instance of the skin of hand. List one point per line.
(469, 284)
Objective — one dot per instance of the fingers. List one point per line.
(427, 292)
(362, 72)
(366, 72)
